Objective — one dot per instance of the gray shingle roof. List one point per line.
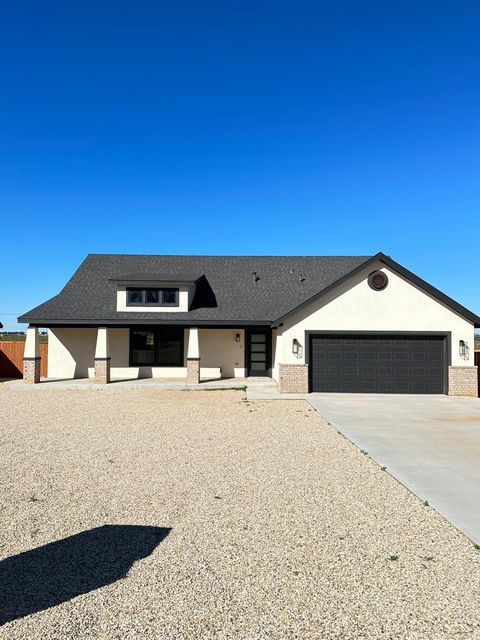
(282, 283)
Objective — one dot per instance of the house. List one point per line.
(327, 323)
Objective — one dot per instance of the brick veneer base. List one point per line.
(463, 381)
(293, 378)
(102, 371)
(31, 370)
(193, 370)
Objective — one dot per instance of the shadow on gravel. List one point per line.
(59, 571)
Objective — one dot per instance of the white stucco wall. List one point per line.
(354, 306)
(71, 351)
(218, 348)
(71, 354)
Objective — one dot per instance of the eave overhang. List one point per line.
(47, 324)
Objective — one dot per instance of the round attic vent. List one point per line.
(378, 280)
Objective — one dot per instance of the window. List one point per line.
(159, 347)
(143, 347)
(135, 297)
(152, 297)
(170, 347)
(169, 296)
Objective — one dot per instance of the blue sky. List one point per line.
(250, 127)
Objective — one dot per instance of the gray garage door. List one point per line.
(377, 364)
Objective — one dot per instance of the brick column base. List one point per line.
(293, 378)
(102, 371)
(463, 381)
(31, 370)
(193, 370)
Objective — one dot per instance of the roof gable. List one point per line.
(402, 271)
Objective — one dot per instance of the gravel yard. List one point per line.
(273, 525)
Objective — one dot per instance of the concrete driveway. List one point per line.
(430, 443)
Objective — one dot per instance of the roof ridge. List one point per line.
(208, 255)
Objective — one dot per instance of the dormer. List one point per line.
(150, 293)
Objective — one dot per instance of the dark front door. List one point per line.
(378, 363)
(259, 349)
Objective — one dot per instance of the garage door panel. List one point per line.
(378, 364)
(386, 386)
(368, 371)
(393, 343)
(335, 371)
(419, 356)
(401, 386)
(419, 386)
(385, 372)
(434, 371)
(367, 355)
(351, 386)
(368, 386)
(431, 387)
(334, 355)
(420, 372)
(385, 355)
(351, 371)
(419, 342)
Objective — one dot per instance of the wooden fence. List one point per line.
(11, 359)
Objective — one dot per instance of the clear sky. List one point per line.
(238, 127)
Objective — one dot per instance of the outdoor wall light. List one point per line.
(295, 347)
(237, 338)
(464, 349)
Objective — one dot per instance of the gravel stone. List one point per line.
(280, 527)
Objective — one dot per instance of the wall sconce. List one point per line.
(295, 347)
(237, 338)
(464, 349)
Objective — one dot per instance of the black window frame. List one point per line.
(157, 331)
(161, 291)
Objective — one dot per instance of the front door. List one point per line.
(259, 348)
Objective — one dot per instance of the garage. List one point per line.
(378, 363)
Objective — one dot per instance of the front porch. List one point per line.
(177, 355)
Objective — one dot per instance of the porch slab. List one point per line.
(174, 384)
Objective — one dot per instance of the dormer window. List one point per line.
(143, 297)
(155, 293)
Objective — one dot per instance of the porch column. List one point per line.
(193, 357)
(102, 357)
(31, 357)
